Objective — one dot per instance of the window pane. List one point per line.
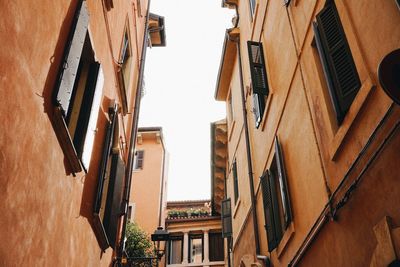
(175, 251)
(196, 250)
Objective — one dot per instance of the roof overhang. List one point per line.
(229, 3)
(157, 30)
(229, 54)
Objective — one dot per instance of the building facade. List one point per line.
(195, 235)
(311, 175)
(149, 184)
(71, 72)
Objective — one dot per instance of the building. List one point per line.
(149, 184)
(195, 235)
(71, 79)
(312, 139)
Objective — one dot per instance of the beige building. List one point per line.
(71, 74)
(149, 182)
(311, 165)
(195, 235)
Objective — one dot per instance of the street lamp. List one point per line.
(159, 235)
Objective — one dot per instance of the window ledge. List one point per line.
(287, 236)
(65, 140)
(362, 95)
(236, 207)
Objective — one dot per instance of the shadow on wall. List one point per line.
(54, 69)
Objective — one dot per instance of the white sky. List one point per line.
(179, 90)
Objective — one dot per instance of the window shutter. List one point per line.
(287, 214)
(235, 182)
(339, 60)
(268, 211)
(114, 199)
(71, 60)
(257, 68)
(226, 216)
(104, 158)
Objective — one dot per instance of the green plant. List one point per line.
(138, 243)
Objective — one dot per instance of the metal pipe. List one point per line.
(134, 128)
(248, 151)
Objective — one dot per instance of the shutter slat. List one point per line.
(283, 183)
(71, 61)
(337, 53)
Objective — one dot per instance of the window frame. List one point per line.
(174, 238)
(193, 236)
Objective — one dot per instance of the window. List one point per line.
(259, 79)
(78, 95)
(252, 4)
(196, 248)
(277, 210)
(124, 72)
(139, 159)
(226, 216)
(230, 109)
(337, 61)
(109, 206)
(131, 212)
(175, 249)
(235, 182)
(216, 247)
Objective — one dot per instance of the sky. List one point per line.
(179, 90)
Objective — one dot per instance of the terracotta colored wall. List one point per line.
(317, 151)
(46, 212)
(146, 183)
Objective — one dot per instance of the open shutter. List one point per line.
(257, 68)
(268, 211)
(226, 216)
(72, 56)
(114, 199)
(283, 183)
(339, 60)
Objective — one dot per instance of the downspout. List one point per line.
(248, 151)
(134, 128)
(162, 185)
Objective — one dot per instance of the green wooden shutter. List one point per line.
(340, 63)
(72, 56)
(226, 217)
(268, 211)
(114, 199)
(287, 214)
(257, 68)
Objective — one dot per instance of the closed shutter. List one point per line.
(287, 214)
(337, 55)
(226, 216)
(216, 247)
(268, 211)
(257, 68)
(235, 182)
(72, 56)
(114, 199)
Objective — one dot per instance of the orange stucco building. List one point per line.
(311, 167)
(71, 80)
(149, 183)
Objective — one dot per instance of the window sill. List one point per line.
(65, 140)
(287, 236)
(362, 95)
(236, 207)
(267, 107)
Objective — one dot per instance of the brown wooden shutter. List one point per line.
(114, 199)
(269, 215)
(287, 214)
(72, 56)
(337, 55)
(257, 68)
(216, 245)
(226, 216)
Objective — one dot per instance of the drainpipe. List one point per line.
(134, 128)
(248, 151)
